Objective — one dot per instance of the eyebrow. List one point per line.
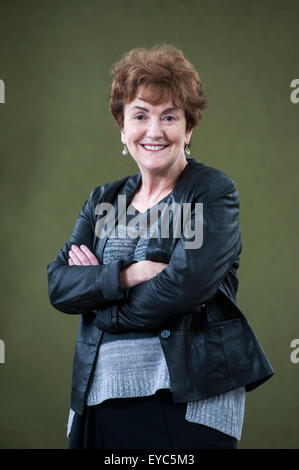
(168, 110)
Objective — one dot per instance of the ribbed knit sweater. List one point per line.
(132, 364)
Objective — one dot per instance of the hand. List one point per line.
(82, 257)
(140, 272)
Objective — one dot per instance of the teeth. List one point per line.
(154, 147)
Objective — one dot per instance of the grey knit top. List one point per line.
(132, 364)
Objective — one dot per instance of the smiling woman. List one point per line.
(164, 356)
(157, 99)
(155, 136)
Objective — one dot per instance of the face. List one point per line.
(155, 135)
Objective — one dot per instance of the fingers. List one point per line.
(89, 254)
(82, 256)
(73, 256)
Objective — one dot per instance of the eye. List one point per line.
(139, 117)
(169, 118)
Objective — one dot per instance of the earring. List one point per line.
(125, 150)
(187, 149)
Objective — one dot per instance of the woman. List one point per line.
(164, 356)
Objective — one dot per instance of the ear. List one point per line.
(122, 137)
(188, 136)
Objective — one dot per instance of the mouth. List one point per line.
(154, 147)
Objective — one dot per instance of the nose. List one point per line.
(154, 129)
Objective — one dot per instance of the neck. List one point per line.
(154, 185)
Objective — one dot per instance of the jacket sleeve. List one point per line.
(192, 276)
(80, 289)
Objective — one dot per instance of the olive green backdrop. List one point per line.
(58, 141)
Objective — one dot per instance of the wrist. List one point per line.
(134, 274)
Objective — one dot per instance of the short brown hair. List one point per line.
(165, 74)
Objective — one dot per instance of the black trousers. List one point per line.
(153, 422)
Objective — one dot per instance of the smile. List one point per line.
(154, 148)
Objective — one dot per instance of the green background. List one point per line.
(58, 141)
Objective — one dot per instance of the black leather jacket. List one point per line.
(208, 350)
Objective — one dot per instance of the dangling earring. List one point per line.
(187, 149)
(125, 150)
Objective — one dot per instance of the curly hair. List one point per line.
(164, 74)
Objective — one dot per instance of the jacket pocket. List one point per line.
(207, 353)
(215, 347)
(235, 347)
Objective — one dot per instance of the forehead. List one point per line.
(140, 103)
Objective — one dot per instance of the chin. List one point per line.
(155, 166)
